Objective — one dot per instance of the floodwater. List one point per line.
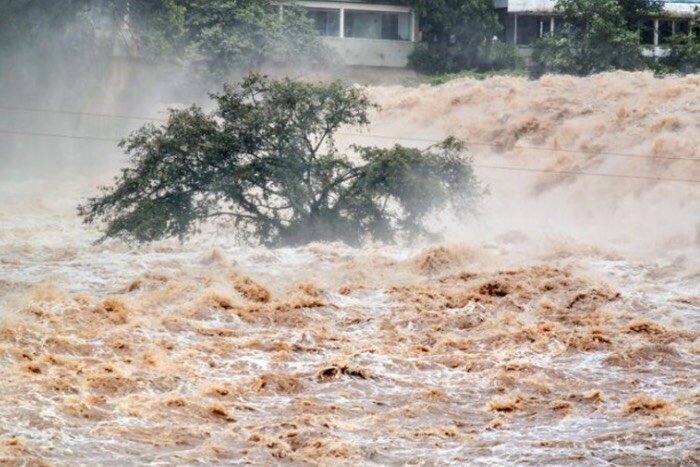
(560, 326)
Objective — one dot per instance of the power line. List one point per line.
(480, 166)
(364, 135)
(611, 154)
(406, 138)
(58, 135)
(588, 174)
(535, 148)
(78, 113)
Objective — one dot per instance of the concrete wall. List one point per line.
(515, 6)
(678, 7)
(364, 52)
(371, 52)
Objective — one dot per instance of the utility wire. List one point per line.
(77, 113)
(589, 174)
(534, 148)
(480, 166)
(362, 135)
(58, 135)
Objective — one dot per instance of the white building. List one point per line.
(364, 33)
(526, 21)
(375, 34)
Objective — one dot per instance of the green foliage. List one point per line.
(221, 35)
(594, 36)
(458, 35)
(684, 54)
(431, 58)
(684, 51)
(442, 78)
(266, 161)
(501, 56)
(229, 35)
(158, 26)
(634, 11)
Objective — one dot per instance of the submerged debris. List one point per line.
(114, 309)
(507, 404)
(645, 405)
(214, 366)
(438, 259)
(335, 371)
(251, 289)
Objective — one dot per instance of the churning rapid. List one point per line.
(561, 326)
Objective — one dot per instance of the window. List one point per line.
(682, 27)
(548, 25)
(646, 30)
(327, 21)
(390, 26)
(665, 30)
(528, 29)
(378, 25)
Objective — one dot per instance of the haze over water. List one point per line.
(559, 325)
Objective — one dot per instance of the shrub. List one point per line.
(594, 36)
(684, 54)
(458, 36)
(266, 161)
(429, 60)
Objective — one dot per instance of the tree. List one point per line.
(266, 161)
(684, 50)
(237, 36)
(635, 11)
(155, 25)
(458, 35)
(61, 47)
(594, 36)
(222, 35)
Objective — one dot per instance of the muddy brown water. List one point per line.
(559, 327)
(378, 357)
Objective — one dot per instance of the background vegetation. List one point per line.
(594, 36)
(266, 162)
(221, 39)
(459, 35)
(591, 36)
(218, 37)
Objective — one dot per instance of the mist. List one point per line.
(618, 123)
(557, 324)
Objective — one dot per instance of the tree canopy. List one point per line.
(458, 35)
(245, 34)
(684, 51)
(221, 35)
(266, 161)
(594, 36)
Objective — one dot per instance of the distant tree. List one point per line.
(237, 36)
(155, 25)
(634, 11)
(62, 47)
(684, 49)
(458, 35)
(222, 35)
(594, 36)
(266, 162)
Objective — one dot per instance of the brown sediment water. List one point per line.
(552, 329)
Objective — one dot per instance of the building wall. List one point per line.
(365, 51)
(678, 7)
(525, 21)
(371, 52)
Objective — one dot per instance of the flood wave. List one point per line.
(559, 325)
